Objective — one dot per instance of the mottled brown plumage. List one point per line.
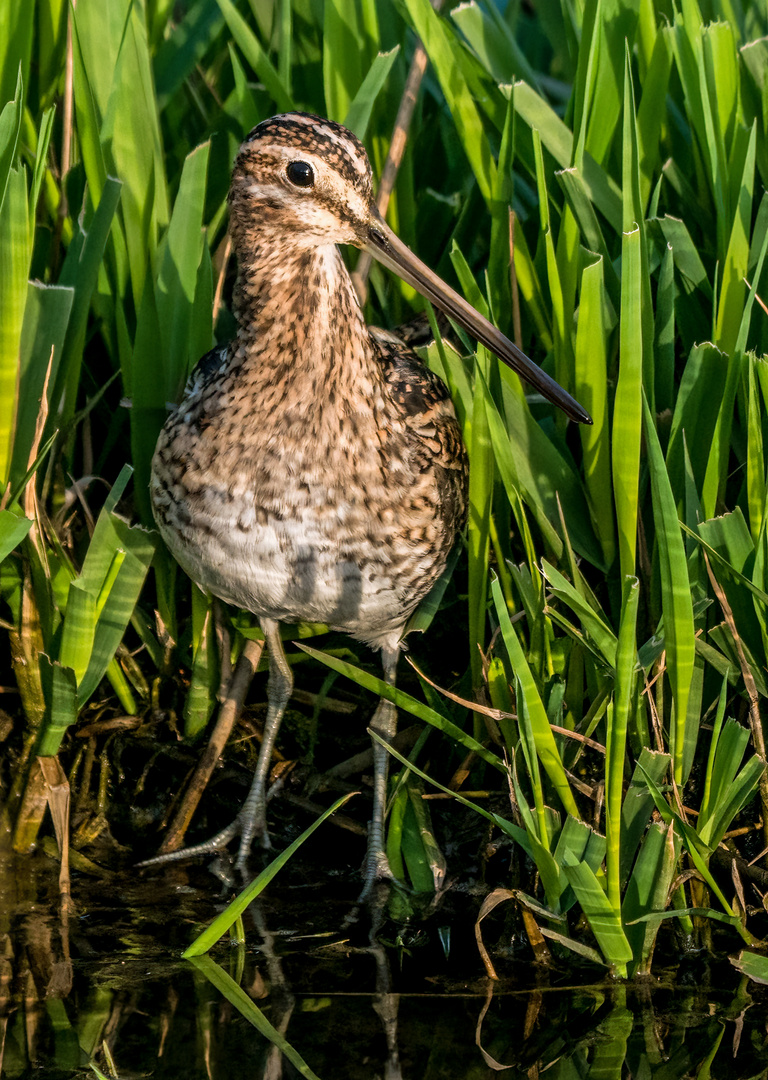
(314, 469)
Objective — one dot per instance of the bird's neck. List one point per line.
(299, 317)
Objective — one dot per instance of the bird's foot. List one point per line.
(377, 872)
(247, 826)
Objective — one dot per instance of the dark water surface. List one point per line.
(419, 1006)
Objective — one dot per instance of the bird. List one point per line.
(314, 468)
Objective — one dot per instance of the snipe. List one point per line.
(314, 469)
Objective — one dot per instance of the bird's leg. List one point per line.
(384, 723)
(252, 818)
(251, 822)
(224, 642)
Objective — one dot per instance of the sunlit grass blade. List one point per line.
(753, 965)
(221, 924)
(604, 921)
(546, 747)
(131, 131)
(10, 128)
(254, 53)
(617, 724)
(346, 54)
(493, 42)
(358, 114)
(13, 529)
(441, 46)
(676, 602)
(539, 115)
(591, 389)
(405, 701)
(15, 253)
(627, 409)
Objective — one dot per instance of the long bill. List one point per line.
(384, 246)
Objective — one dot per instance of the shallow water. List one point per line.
(418, 1006)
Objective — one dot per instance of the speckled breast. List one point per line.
(347, 531)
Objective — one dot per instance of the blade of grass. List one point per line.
(222, 923)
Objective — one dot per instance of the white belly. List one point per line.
(296, 570)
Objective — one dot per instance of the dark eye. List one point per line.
(301, 174)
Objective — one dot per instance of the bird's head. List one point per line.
(305, 181)
(308, 178)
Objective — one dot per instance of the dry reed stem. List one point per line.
(228, 714)
(755, 720)
(395, 154)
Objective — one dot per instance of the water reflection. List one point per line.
(351, 1009)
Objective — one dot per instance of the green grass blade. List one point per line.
(732, 290)
(10, 128)
(481, 480)
(546, 747)
(79, 629)
(15, 253)
(46, 315)
(753, 965)
(344, 56)
(177, 277)
(594, 626)
(616, 744)
(358, 114)
(494, 44)
(182, 50)
(647, 890)
(81, 272)
(676, 601)
(603, 191)
(131, 132)
(252, 50)
(442, 47)
(221, 924)
(61, 701)
(591, 389)
(627, 409)
(756, 485)
(203, 684)
(13, 529)
(604, 922)
(405, 701)
(638, 804)
(245, 1005)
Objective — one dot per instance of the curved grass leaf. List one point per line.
(359, 112)
(404, 701)
(233, 911)
(546, 747)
